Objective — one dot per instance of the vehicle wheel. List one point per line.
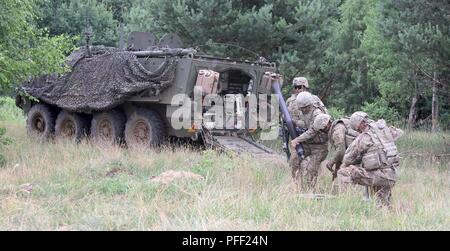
(108, 126)
(71, 126)
(40, 122)
(144, 128)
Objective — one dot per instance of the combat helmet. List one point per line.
(357, 118)
(321, 121)
(304, 99)
(299, 81)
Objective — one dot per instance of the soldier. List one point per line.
(340, 134)
(314, 142)
(301, 85)
(294, 111)
(372, 159)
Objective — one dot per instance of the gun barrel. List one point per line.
(165, 52)
(287, 117)
(284, 110)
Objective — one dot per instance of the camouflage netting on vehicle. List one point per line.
(100, 82)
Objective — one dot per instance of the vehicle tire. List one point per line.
(108, 127)
(144, 128)
(40, 122)
(71, 126)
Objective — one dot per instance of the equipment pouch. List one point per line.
(391, 153)
(371, 161)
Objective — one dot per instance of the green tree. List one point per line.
(346, 65)
(419, 35)
(294, 34)
(26, 50)
(403, 44)
(119, 8)
(72, 17)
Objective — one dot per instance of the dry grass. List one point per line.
(64, 186)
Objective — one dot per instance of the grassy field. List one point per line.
(65, 186)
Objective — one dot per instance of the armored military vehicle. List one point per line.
(126, 95)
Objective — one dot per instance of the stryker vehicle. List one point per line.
(125, 95)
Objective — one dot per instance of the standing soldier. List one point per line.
(372, 159)
(314, 142)
(294, 111)
(301, 85)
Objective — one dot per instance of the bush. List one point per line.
(3, 141)
(444, 120)
(336, 113)
(380, 109)
(9, 111)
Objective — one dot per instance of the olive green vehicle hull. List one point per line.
(146, 116)
(185, 81)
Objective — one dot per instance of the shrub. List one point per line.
(3, 141)
(9, 111)
(380, 109)
(336, 113)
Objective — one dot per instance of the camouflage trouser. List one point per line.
(306, 171)
(379, 181)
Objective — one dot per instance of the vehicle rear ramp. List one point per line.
(240, 144)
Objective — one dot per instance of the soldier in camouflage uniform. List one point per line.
(372, 159)
(294, 111)
(301, 85)
(340, 134)
(314, 142)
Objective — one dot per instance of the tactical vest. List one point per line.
(350, 134)
(321, 137)
(383, 153)
(292, 98)
(293, 109)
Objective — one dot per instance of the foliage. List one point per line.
(72, 17)
(418, 36)
(9, 110)
(24, 49)
(119, 8)
(419, 30)
(292, 33)
(380, 109)
(336, 112)
(11, 113)
(346, 62)
(3, 141)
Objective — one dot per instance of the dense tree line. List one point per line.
(386, 57)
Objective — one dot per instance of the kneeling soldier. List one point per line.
(372, 159)
(340, 134)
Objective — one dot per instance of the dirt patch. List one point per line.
(171, 175)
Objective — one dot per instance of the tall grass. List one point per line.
(9, 111)
(66, 186)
